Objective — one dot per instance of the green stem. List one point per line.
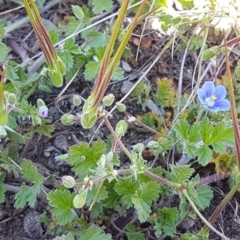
(184, 191)
(164, 181)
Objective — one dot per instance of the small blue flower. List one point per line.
(43, 111)
(213, 98)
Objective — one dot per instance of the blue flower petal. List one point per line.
(222, 105)
(220, 92)
(201, 96)
(208, 88)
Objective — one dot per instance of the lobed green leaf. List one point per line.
(61, 202)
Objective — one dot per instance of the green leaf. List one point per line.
(11, 74)
(84, 158)
(46, 130)
(91, 70)
(143, 209)
(30, 172)
(1, 31)
(205, 130)
(180, 173)
(133, 233)
(3, 52)
(167, 219)
(118, 74)
(204, 155)
(53, 36)
(126, 186)
(112, 200)
(221, 137)
(67, 59)
(149, 191)
(183, 207)
(96, 39)
(181, 128)
(27, 195)
(193, 133)
(101, 5)
(94, 233)
(72, 47)
(102, 194)
(97, 210)
(2, 193)
(210, 53)
(62, 203)
(189, 236)
(204, 196)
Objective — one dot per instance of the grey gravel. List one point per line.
(32, 226)
(61, 142)
(126, 67)
(126, 86)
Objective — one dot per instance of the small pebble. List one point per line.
(46, 154)
(32, 226)
(126, 67)
(61, 143)
(126, 86)
(186, 224)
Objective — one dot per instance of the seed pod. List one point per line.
(68, 181)
(88, 120)
(67, 119)
(121, 107)
(80, 199)
(11, 99)
(40, 103)
(108, 100)
(76, 100)
(121, 128)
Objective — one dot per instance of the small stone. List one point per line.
(61, 143)
(126, 86)
(186, 224)
(126, 67)
(46, 154)
(32, 225)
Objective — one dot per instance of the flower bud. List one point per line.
(76, 100)
(11, 99)
(61, 157)
(56, 77)
(43, 111)
(68, 181)
(40, 103)
(121, 107)
(121, 128)
(88, 120)
(67, 119)
(80, 199)
(108, 100)
(153, 144)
